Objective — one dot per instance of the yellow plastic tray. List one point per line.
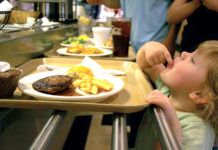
(131, 99)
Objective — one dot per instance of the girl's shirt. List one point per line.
(196, 133)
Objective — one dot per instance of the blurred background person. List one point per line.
(202, 21)
(148, 18)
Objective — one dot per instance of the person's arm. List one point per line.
(157, 98)
(211, 4)
(109, 3)
(151, 57)
(181, 9)
(170, 40)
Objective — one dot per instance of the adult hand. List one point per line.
(197, 3)
(211, 4)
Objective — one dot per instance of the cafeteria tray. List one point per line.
(130, 57)
(131, 98)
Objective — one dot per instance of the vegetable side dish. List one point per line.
(80, 40)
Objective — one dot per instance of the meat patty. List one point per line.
(52, 84)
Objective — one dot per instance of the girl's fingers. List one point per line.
(161, 60)
(168, 57)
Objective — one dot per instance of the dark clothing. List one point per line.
(202, 25)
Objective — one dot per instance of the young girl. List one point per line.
(191, 82)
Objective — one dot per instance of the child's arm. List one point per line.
(157, 98)
(151, 57)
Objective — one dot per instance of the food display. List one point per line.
(80, 49)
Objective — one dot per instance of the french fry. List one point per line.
(94, 89)
(85, 89)
(77, 83)
(103, 84)
(84, 80)
(82, 85)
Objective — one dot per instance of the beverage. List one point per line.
(101, 35)
(121, 36)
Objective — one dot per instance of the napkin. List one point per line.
(4, 66)
(93, 65)
(5, 6)
(97, 68)
(47, 22)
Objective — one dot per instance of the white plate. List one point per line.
(63, 51)
(25, 85)
(107, 47)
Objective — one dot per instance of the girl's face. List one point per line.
(187, 73)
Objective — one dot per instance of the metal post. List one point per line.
(119, 132)
(44, 138)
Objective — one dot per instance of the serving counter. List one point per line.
(32, 42)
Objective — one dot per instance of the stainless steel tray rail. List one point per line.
(167, 136)
(156, 120)
(119, 132)
(154, 132)
(44, 138)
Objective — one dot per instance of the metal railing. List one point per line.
(44, 138)
(119, 130)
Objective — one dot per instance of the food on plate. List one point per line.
(84, 80)
(9, 81)
(79, 70)
(77, 76)
(52, 84)
(80, 49)
(80, 40)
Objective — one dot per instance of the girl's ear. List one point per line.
(198, 98)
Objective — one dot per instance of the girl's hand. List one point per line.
(157, 98)
(156, 53)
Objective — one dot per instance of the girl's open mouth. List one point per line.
(170, 65)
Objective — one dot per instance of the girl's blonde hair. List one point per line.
(209, 50)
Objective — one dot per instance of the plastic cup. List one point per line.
(121, 36)
(101, 35)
